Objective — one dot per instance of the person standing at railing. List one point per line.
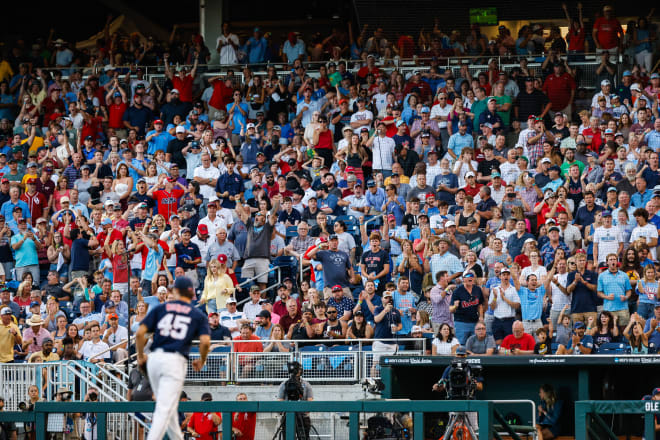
(607, 32)
(388, 323)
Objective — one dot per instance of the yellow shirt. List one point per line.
(28, 176)
(38, 142)
(402, 179)
(6, 73)
(213, 289)
(52, 357)
(7, 342)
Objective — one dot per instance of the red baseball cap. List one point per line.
(350, 169)
(341, 101)
(31, 181)
(580, 251)
(336, 287)
(429, 195)
(158, 121)
(203, 229)
(222, 258)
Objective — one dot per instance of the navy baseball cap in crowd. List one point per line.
(578, 325)
(110, 303)
(460, 350)
(183, 283)
(34, 304)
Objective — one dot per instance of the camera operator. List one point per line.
(90, 418)
(296, 388)
(444, 384)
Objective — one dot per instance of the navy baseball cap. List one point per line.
(110, 303)
(579, 324)
(183, 283)
(460, 350)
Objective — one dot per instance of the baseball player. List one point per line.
(174, 324)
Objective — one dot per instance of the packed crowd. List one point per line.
(503, 212)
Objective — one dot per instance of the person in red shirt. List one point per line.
(51, 104)
(369, 68)
(607, 31)
(116, 101)
(183, 80)
(243, 424)
(246, 342)
(416, 82)
(167, 195)
(576, 34)
(36, 201)
(560, 88)
(114, 234)
(223, 90)
(518, 343)
(204, 425)
(471, 187)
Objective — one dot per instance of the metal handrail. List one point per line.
(314, 65)
(274, 286)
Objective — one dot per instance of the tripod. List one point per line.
(301, 433)
(459, 427)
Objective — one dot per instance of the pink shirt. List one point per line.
(28, 334)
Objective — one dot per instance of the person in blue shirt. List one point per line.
(256, 47)
(327, 202)
(581, 343)
(238, 111)
(460, 140)
(154, 259)
(404, 301)
(388, 323)
(550, 409)
(643, 194)
(158, 138)
(615, 289)
(531, 300)
(137, 116)
(376, 196)
(229, 186)
(13, 202)
(652, 138)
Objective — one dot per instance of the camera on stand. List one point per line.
(293, 387)
(461, 382)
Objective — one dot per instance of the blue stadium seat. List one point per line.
(553, 347)
(222, 349)
(613, 348)
(291, 232)
(350, 220)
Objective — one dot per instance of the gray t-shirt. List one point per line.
(477, 346)
(335, 267)
(258, 242)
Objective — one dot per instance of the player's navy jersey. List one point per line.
(175, 325)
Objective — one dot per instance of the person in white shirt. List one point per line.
(440, 113)
(357, 202)
(207, 176)
(607, 239)
(560, 296)
(233, 319)
(212, 220)
(568, 232)
(362, 117)
(114, 335)
(645, 231)
(380, 98)
(226, 46)
(252, 308)
(383, 151)
(504, 301)
(91, 348)
(510, 169)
